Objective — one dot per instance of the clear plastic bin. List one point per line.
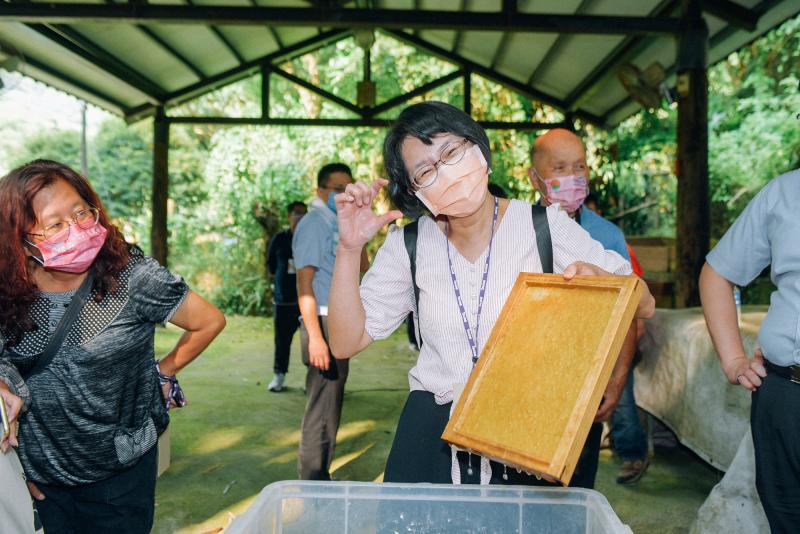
(361, 507)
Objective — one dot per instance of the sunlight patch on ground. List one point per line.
(222, 518)
(292, 439)
(341, 461)
(346, 431)
(351, 430)
(283, 458)
(219, 440)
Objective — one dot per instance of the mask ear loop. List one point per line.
(38, 260)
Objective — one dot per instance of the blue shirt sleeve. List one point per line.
(744, 250)
(309, 241)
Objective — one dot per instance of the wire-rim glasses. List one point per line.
(83, 219)
(451, 154)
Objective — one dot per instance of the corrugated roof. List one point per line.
(168, 50)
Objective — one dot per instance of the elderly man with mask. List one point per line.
(560, 174)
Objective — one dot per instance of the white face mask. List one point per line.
(460, 189)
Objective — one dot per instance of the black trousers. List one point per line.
(776, 438)
(287, 321)
(122, 504)
(419, 454)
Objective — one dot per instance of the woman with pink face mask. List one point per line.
(470, 247)
(78, 309)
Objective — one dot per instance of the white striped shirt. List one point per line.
(387, 291)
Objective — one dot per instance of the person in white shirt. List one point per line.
(470, 248)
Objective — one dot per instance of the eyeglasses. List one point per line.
(84, 219)
(451, 154)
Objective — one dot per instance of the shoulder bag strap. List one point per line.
(543, 242)
(64, 326)
(410, 238)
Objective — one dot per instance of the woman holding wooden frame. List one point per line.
(470, 248)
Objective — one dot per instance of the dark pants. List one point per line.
(420, 455)
(630, 442)
(287, 321)
(325, 392)
(122, 504)
(776, 438)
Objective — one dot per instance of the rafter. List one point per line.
(556, 47)
(224, 40)
(248, 68)
(493, 75)
(419, 91)
(93, 53)
(341, 102)
(336, 17)
(349, 123)
(172, 51)
(733, 13)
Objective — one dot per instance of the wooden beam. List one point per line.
(733, 13)
(159, 246)
(693, 200)
(337, 17)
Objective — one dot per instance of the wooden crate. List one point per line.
(531, 399)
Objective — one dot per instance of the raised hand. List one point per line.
(357, 222)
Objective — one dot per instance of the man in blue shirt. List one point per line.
(286, 313)
(314, 248)
(561, 176)
(766, 234)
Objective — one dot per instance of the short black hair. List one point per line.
(424, 121)
(292, 205)
(497, 190)
(326, 171)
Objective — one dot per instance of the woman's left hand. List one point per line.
(584, 269)
(165, 390)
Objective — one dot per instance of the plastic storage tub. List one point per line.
(360, 507)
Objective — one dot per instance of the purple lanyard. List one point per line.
(472, 339)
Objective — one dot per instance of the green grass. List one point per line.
(235, 437)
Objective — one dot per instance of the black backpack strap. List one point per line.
(543, 241)
(70, 316)
(410, 232)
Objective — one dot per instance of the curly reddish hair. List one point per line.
(18, 290)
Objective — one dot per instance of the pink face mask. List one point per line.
(460, 189)
(75, 254)
(568, 191)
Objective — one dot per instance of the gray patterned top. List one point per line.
(96, 409)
